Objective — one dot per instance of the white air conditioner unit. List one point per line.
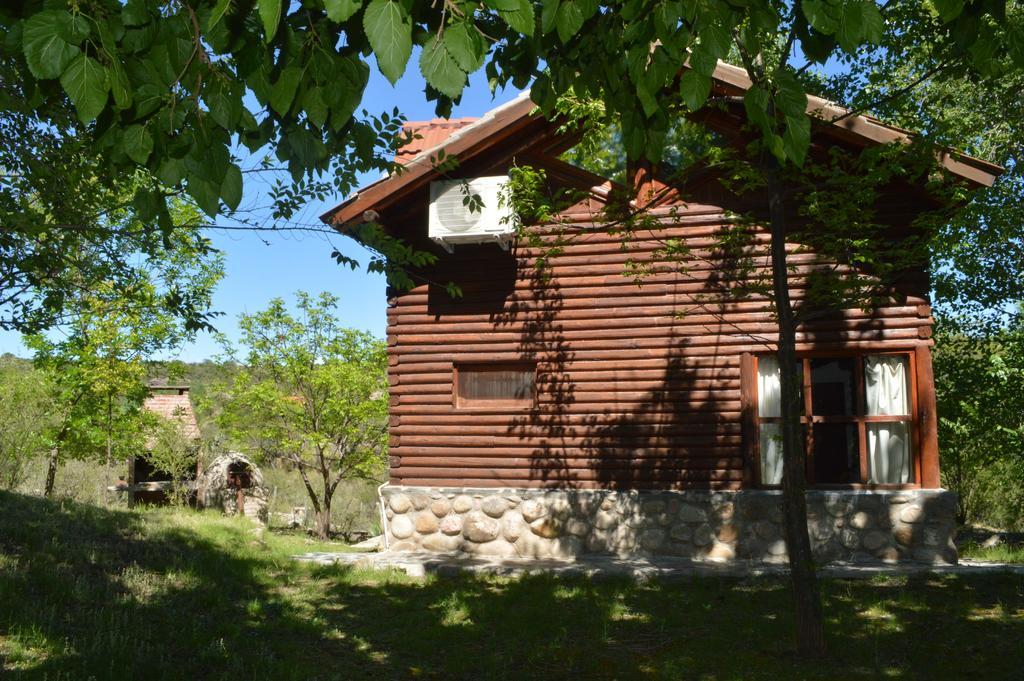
(456, 220)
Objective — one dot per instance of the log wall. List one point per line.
(638, 385)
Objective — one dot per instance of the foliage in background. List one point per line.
(979, 384)
(95, 367)
(977, 255)
(312, 395)
(25, 412)
(170, 449)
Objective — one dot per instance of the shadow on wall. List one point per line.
(599, 423)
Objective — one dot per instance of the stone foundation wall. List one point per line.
(702, 525)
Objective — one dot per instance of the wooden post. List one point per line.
(927, 419)
(748, 407)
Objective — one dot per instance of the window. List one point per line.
(495, 385)
(857, 416)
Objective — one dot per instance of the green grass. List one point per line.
(89, 593)
(1003, 553)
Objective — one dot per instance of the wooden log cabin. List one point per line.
(568, 409)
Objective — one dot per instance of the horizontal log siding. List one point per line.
(639, 386)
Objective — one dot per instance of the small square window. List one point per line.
(495, 384)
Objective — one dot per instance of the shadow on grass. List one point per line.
(86, 592)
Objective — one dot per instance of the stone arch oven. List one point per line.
(234, 484)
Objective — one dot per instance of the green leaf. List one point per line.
(548, 14)
(270, 15)
(47, 52)
(861, 22)
(948, 9)
(518, 14)
(231, 187)
(283, 92)
(146, 203)
(86, 82)
(755, 101)
(148, 99)
(791, 99)
(694, 89)
(219, 10)
(119, 86)
(874, 24)
(315, 107)
(466, 46)
(206, 194)
(821, 15)
(171, 171)
(137, 143)
(716, 38)
(1015, 37)
(224, 105)
(440, 69)
(703, 61)
(389, 30)
(569, 20)
(135, 13)
(341, 10)
(666, 19)
(797, 138)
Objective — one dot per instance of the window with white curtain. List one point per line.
(769, 405)
(857, 417)
(887, 393)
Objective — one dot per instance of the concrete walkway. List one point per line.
(418, 564)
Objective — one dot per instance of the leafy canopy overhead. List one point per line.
(171, 85)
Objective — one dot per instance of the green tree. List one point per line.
(169, 448)
(25, 412)
(312, 395)
(70, 225)
(978, 253)
(979, 384)
(95, 366)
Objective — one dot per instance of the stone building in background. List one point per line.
(145, 483)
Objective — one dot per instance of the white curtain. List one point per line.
(771, 454)
(769, 404)
(887, 391)
(769, 387)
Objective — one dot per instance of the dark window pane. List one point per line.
(832, 387)
(498, 382)
(836, 453)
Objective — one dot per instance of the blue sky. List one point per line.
(259, 267)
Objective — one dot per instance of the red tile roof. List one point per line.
(429, 134)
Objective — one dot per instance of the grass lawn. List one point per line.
(89, 593)
(1002, 553)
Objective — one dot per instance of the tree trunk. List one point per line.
(51, 473)
(110, 451)
(324, 517)
(313, 498)
(810, 635)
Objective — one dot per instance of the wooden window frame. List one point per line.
(754, 419)
(469, 404)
